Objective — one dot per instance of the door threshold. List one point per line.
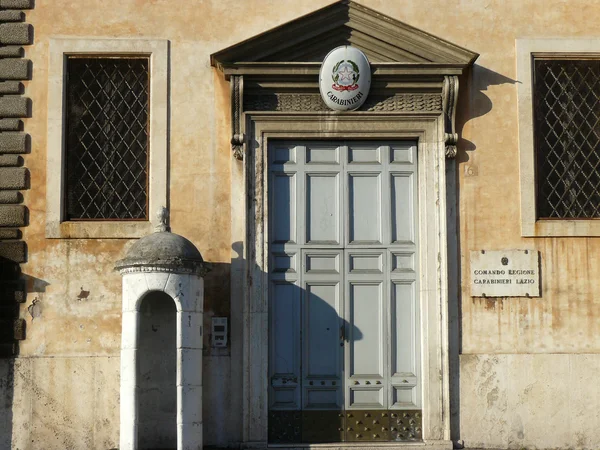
(412, 445)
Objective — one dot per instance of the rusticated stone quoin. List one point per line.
(13, 251)
(12, 215)
(19, 329)
(15, 33)
(11, 142)
(10, 270)
(10, 125)
(11, 52)
(10, 160)
(10, 233)
(16, 4)
(12, 292)
(13, 178)
(12, 68)
(11, 16)
(10, 87)
(7, 197)
(13, 106)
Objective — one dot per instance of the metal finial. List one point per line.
(163, 216)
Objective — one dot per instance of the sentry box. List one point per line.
(219, 331)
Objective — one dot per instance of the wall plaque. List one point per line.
(505, 273)
(345, 78)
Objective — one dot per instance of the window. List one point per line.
(559, 136)
(107, 137)
(566, 112)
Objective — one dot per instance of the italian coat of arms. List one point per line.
(345, 76)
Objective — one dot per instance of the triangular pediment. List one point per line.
(308, 39)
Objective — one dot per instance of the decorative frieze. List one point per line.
(312, 102)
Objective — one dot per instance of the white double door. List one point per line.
(343, 272)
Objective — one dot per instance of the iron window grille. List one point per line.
(107, 129)
(566, 110)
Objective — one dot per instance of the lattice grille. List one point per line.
(567, 134)
(107, 138)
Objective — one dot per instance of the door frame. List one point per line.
(250, 216)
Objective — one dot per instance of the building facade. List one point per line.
(417, 272)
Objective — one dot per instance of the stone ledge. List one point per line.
(11, 142)
(15, 33)
(13, 216)
(13, 68)
(16, 4)
(13, 251)
(12, 178)
(13, 106)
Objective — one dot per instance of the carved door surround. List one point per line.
(275, 95)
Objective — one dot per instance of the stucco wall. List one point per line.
(66, 379)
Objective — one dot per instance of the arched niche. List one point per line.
(163, 264)
(157, 372)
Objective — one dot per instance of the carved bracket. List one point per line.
(237, 105)
(449, 98)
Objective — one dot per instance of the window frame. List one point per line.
(526, 49)
(59, 50)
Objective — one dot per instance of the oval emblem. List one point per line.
(345, 78)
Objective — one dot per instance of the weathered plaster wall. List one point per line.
(530, 401)
(66, 380)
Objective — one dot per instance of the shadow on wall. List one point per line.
(304, 325)
(7, 378)
(472, 103)
(13, 292)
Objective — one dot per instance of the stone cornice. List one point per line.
(312, 68)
